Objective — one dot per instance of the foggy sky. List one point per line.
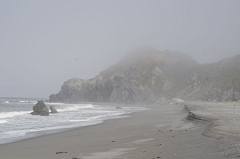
(44, 43)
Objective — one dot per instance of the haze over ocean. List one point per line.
(44, 43)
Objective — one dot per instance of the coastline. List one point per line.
(35, 134)
(160, 132)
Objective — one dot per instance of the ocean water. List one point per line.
(16, 120)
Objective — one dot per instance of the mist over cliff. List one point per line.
(147, 75)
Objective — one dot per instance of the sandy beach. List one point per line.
(163, 131)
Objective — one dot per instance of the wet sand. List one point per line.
(161, 132)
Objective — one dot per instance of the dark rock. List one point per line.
(53, 109)
(60, 152)
(118, 107)
(40, 109)
(192, 116)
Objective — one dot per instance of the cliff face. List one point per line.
(215, 82)
(114, 90)
(147, 75)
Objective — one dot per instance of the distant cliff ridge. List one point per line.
(147, 75)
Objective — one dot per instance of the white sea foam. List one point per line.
(68, 109)
(6, 102)
(89, 119)
(12, 114)
(3, 121)
(23, 101)
(54, 103)
(11, 134)
(74, 107)
(27, 101)
(16, 120)
(20, 133)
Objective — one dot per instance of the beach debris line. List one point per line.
(60, 152)
(192, 116)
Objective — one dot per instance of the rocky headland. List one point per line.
(147, 75)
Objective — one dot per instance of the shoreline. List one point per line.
(62, 130)
(160, 132)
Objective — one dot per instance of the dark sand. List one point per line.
(162, 132)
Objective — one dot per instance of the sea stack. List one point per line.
(53, 109)
(40, 109)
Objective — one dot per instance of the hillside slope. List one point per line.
(218, 81)
(147, 75)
